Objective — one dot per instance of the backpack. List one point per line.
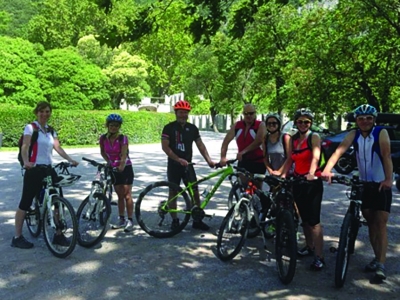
(322, 160)
(120, 138)
(34, 138)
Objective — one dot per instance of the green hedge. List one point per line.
(83, 127)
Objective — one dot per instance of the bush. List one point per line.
(84, 127)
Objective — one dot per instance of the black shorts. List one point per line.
(33, 183)
(125, 177)
(177, 173)
(374, 199)
(308, 198)
(253, 167)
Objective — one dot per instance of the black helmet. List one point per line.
(303, 112)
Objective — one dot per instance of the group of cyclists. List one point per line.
(262, 147)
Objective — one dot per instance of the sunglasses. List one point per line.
(114, 125)
(249, 113)
(305, 122)
(272, 123)
(365, 118)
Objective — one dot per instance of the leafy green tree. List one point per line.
(19, 13)
(127, 74)
(69, 82)
(61, 23)
(19, 60)
(89, 48)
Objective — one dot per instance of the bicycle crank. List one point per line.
(198, 213)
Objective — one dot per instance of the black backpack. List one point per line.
(34, 138)
(322, 160)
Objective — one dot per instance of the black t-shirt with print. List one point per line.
(181, 139)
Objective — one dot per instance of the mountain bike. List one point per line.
(287, 223)
(246, 218)
(153, 207)
(53, 213)
(95, 211)
(351, 223)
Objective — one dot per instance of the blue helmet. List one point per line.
(114, 118)
(365, 109)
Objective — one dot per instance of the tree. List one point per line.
(61, 23)
(127, 74)
(69, 82)
(19, 60)
(89, 48)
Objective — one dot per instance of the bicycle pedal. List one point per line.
(209, 216)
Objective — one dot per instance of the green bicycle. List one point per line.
(153, 209)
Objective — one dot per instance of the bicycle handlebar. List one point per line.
(346, 180)
(228, 163)
(99, 165)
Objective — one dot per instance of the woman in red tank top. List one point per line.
(308, 197)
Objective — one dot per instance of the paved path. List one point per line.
(136, 266)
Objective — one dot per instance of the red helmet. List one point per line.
(183, 105)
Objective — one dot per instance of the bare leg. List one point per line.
(19, 221)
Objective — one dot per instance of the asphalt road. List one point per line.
(136, 266)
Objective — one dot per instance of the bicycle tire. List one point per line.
(155, 220)
(33, 220)
(344, 249)
(234, 194)
(233, 232)
(68, 226)
(92, 221)
(285, 246)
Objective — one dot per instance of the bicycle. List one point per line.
(349, 230)
(153, 207)
(287, 223)
(53, 213)
(95, 211)
(245, 219)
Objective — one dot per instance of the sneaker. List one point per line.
(61, 240)
(128, 226)
(200, 225)
(21, 242)
(380, 272)
(371, 267)
(305, 251)
(174, 224)
(317, 264)
(119, 224)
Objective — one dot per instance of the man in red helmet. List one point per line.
(177, 142)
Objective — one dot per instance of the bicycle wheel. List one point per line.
(93, 218)
(153, 215)
(234, 194)
(60, 227)
(33, 221)
(233, 232)
(285, 246)
(346, 243)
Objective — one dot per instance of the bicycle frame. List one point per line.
(223, 173)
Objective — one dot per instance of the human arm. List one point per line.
(225, 143)
(288, 162)
(26, 141)
(62, 153)
(258, 140)
(203, 151)
(316, 153)
(384, 145)
(342, 148)
(168, 151)
(123, 155)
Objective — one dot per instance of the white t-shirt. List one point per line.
(43, 151)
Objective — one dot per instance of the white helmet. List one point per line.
(66, 179)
